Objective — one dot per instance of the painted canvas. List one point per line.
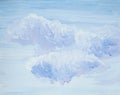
(59, 47)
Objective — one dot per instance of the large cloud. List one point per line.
(62, 51)
(35, 29)
(63, 66)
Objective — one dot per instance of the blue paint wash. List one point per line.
(82, 13)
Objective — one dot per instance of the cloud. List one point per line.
(63, 52)
(63, 66)
(35, 29)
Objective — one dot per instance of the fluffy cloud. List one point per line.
(62, 51)
(63, 66)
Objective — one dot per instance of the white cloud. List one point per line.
(63, 52)
(64, 65)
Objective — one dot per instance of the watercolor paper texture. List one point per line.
(54, 47)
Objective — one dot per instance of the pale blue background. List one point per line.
(15, 79)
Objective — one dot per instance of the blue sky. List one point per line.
(16, 79)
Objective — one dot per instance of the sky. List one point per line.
(54, 47)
